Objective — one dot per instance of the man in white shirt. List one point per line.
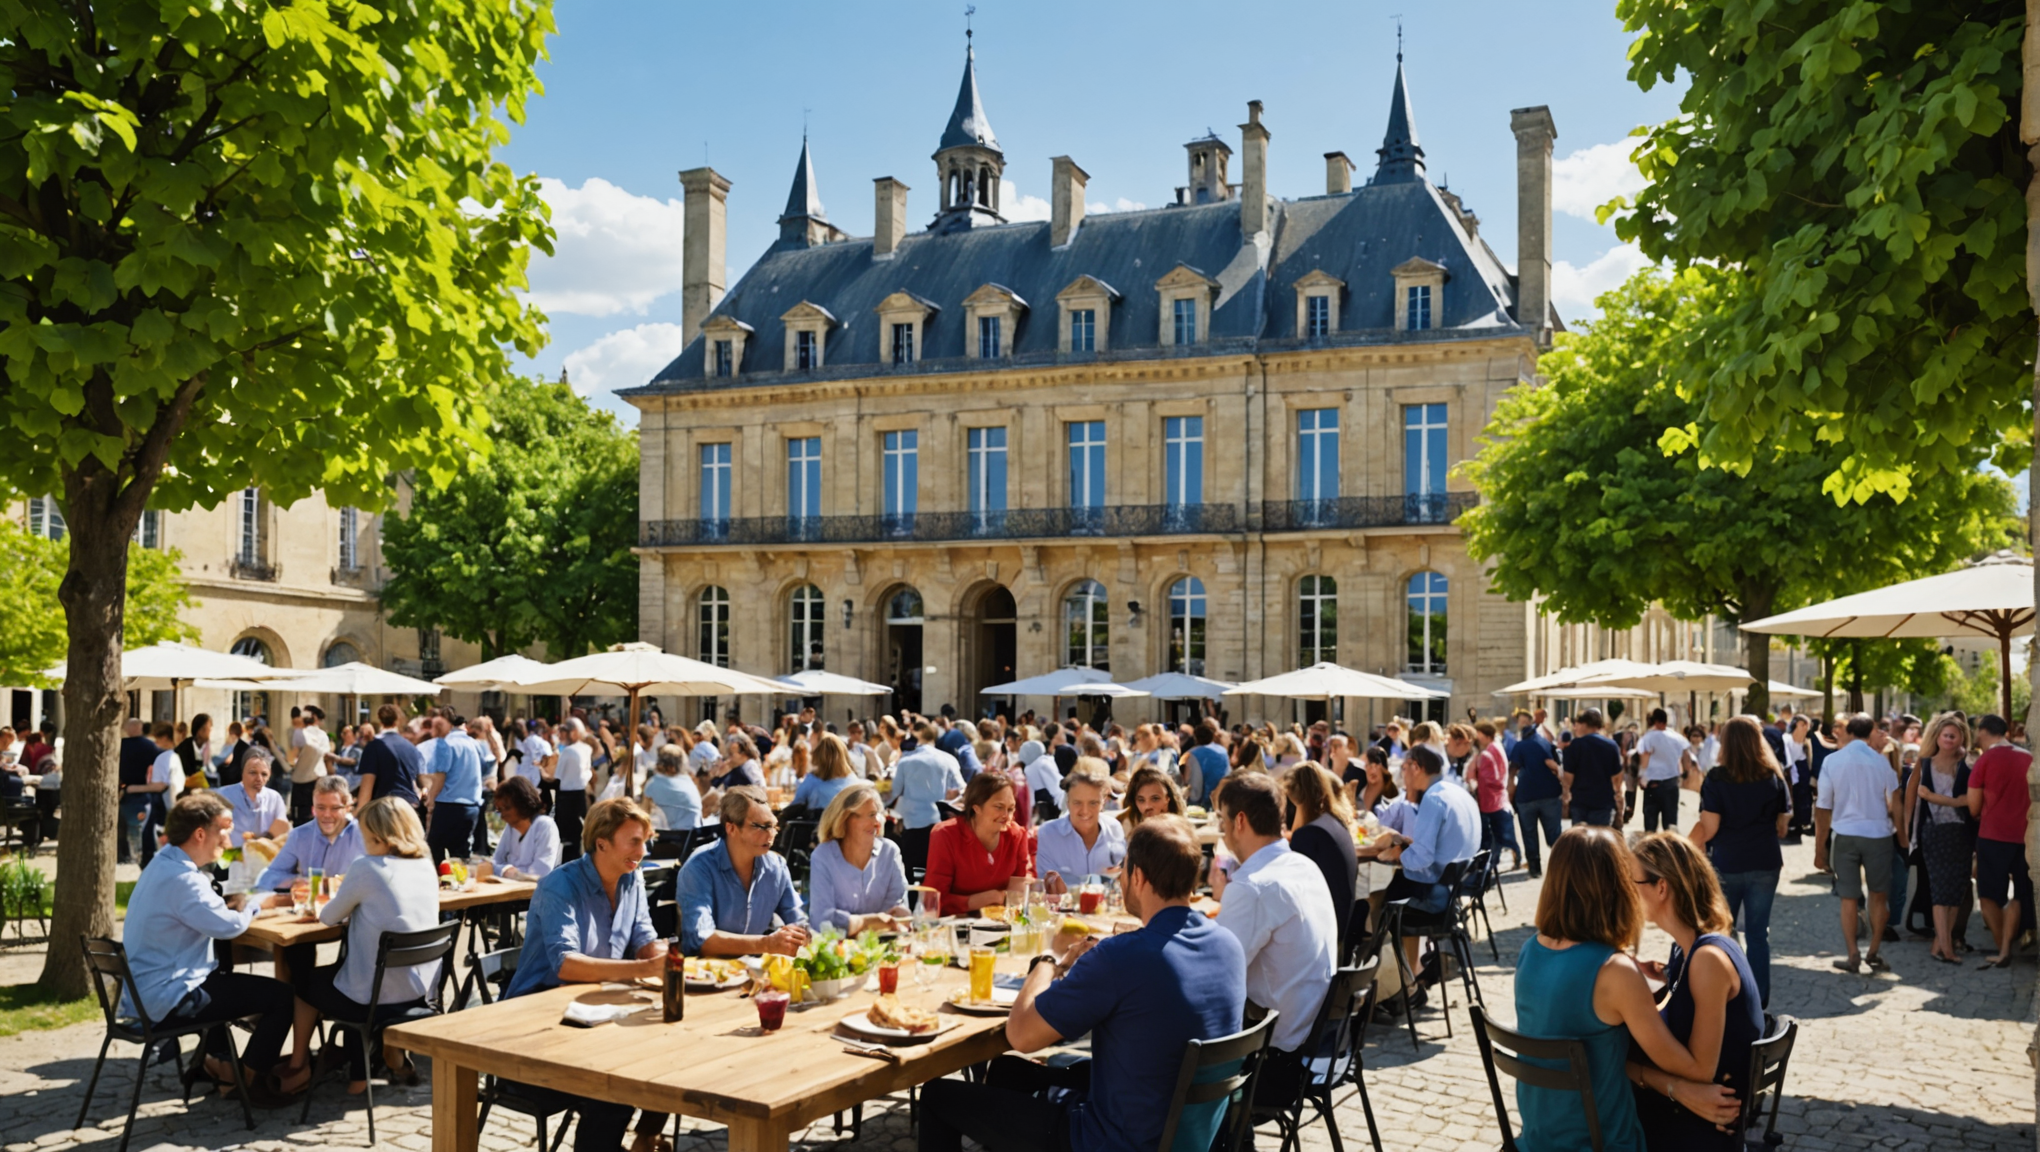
(258, 808)
(1665, 755)
(1858, 800)
(308, 747)
(570, 803)
(1043, 775)
(166, 783)
(1278, 905)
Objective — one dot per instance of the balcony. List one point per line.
(931, 527)
(1364, 511)
(241, 568)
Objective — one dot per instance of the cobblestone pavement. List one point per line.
(1924, 1056)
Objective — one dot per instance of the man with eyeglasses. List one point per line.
(328, 844)
(732, 892)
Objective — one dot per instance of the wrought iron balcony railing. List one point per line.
(1364, 511)
(1010, 524)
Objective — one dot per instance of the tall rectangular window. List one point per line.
(45, 519)
(805, 348)
(1084, 330)
(901, 498)
(248, 534)
(987, 452)
(1317, 454)
(903, 343)
(725, 357)
(1183, 461)
(350, 539)
(428, 646)
(715, 483)
(1087, 463)
(149, 533)
(1417, 307)
(1424, 462)
(1185, 315)
(804, 483)
(1317, 317)
(988, 337)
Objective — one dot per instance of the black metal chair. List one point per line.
(1768, 1060)
(432, 945)
(662, 888)
(488, 975)
(1576, 1076)
(493, 970)
(107, 961)
(796, 842)
(1400, 920)
(1481, 878)
(1334, 1040)
(1215, 1071)
(680, 843)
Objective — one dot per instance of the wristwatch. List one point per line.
(1038, 961)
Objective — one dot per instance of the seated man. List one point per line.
(258, 808)
(731, 891)
(174, 916)
(589, 924)
(1447, 832)
(327, 845)
(1142, 996)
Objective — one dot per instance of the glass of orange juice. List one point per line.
(981, 960)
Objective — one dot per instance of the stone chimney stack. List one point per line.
(1254, 177)
(1535, 134)
(1066, 201)
(703, 248)
(889, 217)
(1338, 174)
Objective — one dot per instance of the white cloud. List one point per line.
(1122, 204)
(1573, 288)
(614, 251)
(623, 359)
(1593, 176)
(1015, 205)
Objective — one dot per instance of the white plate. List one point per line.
(861, 1024)
(1002, 1002)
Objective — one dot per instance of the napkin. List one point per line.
(582, 1015)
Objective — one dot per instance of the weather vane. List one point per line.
(1398, 36)
(969, 11)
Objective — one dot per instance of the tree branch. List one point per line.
(148, 458)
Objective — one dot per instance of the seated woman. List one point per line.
(973, 857)
(732, 891)
(672, 792)
(856, 880)
(530, 845)
(1576, 981)
(1713, 1007)
(1149, 792)
(1321, 828)
(590, 924)
(739, 764)
(830, 775)
(391, 888)
(1080, 842)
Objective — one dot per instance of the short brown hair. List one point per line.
(389, 715)
(1316, 792)
(980, 790)
(1253, 795)
(164, 732)
(1689, 879)
(517, 792)
(736, 804)
(605, 818)
(1164, 851)
(193, 811)
(1588, 895)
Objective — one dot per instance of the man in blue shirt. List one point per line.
(258, 808)
(328, 844)
(1208, 763)
(731, 891)
(137, 753)
(1447, 832)
(922, 777)
(590, 924)
(174, 916)
(390, 764)
(1535, 790)
(1593, 778)
(955, 741)
(1141, 996)
(453, 787)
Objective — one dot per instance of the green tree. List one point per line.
(32, 620)
(1858, 164)
(243, 244)
(531, 543)
(1863, 666)
(1581, 507)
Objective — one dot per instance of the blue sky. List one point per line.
(637, 91)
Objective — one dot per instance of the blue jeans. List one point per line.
(1749, 900)
(1661, 805)
(1599, 817)
(1497, 831)
(1533, 815)
(134, 813)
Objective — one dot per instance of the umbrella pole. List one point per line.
(2005, 669)
(630, 769)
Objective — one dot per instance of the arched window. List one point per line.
(1085, 627)
(340, 652)
(712, 626)
(805, 611)
(1317, 620)
(1186, 626)
(247, 704)
(1427, 623)
(904, 607)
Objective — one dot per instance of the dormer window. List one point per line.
(1084, 330)
(1186, 296)
(988, 337)
(724, 337)
(902, 320)
(1318, 319)
(1317, 304)
(1185, 319)
(1419, 294)
(1086, 314)
(807, 331)
(725, 357)
(994, 321)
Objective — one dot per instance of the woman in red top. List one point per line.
(971, 858)
(1491, 789)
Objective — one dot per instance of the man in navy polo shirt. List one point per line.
(1534, 790)
(1593, 772)
(1141, 996)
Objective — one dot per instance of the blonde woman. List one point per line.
(1936, 804)
(391, 888)
(856, 880)
(1288, 752)
(831, 774)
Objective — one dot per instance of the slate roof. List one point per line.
(967, 122)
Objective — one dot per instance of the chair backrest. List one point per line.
(492, 968)
(409, 949)
(1342, 1020)
(1576, 1076)
(107, 961)
(1768, 1059)
(1213, 1084)
(1475, 880)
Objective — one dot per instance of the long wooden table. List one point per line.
(716, 1065)
(278, 932)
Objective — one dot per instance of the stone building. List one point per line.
(1214, 437)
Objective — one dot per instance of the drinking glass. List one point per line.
(301, 894)
(982, 960)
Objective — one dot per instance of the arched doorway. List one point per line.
(351, 709)
(251, 704)
(994, 642)
(904, 616)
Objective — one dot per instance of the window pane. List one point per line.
(1426, 643)
(1186, 321)
(805, 613)
(713, 627)
(1186, 626)
(1083, 330)
(988, 337)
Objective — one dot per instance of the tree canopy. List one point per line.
(531, 544)
(1858, 163)
(1582, 508)
(32, 622)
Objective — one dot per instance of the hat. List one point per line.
(705, 729)
(1032, 751)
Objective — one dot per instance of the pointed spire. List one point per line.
(805, 198)
(967, 124)
(1402, 158)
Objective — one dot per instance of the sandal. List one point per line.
(1877, 963)
(406, 1076)
(1848, 965)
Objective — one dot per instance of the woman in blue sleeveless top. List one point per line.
(1712, 1003)
(1576, 981)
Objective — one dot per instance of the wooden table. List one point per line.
(716, 1065)
(279, 932)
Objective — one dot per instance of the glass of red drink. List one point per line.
(1088, 900)
(771, 1009)
(889, 978)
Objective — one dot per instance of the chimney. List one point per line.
(889, 217)
(1067, 201)
(703, 248)
(1254, 181)
(1534, 136)
(1338, 174)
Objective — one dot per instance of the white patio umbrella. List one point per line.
(1180, 686)
(170, 665)
(354, 679)
(494, 675)
(1993, 597)
(1324, 681)
(1608, 692)
(1781, 688)
(1570, 677)
(1677, 676)
(1065, 682)
(815, 682)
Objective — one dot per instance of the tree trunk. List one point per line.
(1827, 694)
(1757, 603)
(94, 596)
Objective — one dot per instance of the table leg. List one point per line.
(453, 1108)
(749, 1135)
